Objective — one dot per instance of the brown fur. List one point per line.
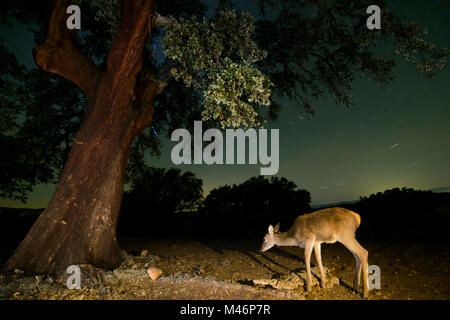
(324, 225)
(329, 225)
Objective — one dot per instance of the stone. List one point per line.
(332, 281)
(294, 280)
(27, 285)
(90, 276)
(8, 290)
(198, 269)
(129, 274)
(110, 278)
(144, 253)
(154, 273)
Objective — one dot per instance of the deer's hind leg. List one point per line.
(362, 262)
(318, 255)
(357, 279)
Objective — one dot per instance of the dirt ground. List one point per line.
(226, 270)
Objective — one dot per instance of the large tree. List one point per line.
(229, 66)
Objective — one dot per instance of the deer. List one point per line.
(323, 226)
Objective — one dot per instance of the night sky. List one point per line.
(392, 136)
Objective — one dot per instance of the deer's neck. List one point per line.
(284, 239)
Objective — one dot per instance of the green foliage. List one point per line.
(424, 54)
(36, 150)
(405, 211)
(164, 191)
(259, 199)
(231, 98)
(217, 57)
(107, 11)
(307, 48)
(16, 180)
(157, 202)
(12, 76)
(246, 210)
(319, 47)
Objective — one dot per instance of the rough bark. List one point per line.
(79, 224)
(59, 54)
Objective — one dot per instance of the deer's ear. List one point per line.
(277, 227)
(270, 229)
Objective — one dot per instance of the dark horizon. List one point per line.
(18, 205)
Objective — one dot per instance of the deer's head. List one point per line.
(269, 238)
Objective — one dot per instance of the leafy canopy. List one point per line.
(217, 56)
(228, 68)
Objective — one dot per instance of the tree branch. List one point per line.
(164, 74)
(160, 20)
(145, 93)
(125, 55)
(60, 55)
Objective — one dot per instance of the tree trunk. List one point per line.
(80, 221)
(79, 224)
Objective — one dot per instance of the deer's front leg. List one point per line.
(309, 244)
(319, 262)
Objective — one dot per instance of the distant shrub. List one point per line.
(248, 208)
(404, 211)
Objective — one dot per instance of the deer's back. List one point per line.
(326, 225)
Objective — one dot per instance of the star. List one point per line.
(154, 131)
(413, 164)
(440, 106)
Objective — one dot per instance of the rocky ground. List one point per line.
(237, 270)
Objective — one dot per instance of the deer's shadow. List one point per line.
(263, 259)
